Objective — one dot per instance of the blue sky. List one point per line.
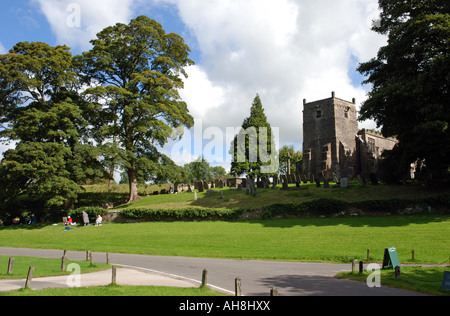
(283, 50)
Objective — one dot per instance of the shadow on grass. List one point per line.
(354, 221)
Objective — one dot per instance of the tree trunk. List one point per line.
(133, 184)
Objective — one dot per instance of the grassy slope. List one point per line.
(265, 197)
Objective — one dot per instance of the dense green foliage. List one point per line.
(75, 120)
(253, 148)
(410, 84)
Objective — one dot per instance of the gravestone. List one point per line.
(199, 186)
(344, 182)
(373, 178)
(361, 180)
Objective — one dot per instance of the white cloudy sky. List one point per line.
(283, 50)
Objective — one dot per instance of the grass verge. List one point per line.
(117, 290)
(418, 279)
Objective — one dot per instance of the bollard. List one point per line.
(114, 275)
(63, 264)
(354, 265)
(238, 289)
(397, 272)
(205, 278)
(412, 255)
(29, 277)
(368, 254)
(361, 267)
(107, 258)
(10, 265)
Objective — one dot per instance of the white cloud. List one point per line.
(75, 23)
(2, 49)
(284, 50)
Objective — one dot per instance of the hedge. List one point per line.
(182, 214)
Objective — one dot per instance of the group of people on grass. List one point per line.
(69, 221)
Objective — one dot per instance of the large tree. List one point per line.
(253, 149)
(42, 113)
(410, 80)
(137, 71)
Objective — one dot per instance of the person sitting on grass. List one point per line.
(98, 221)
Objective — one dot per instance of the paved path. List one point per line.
(258, 277)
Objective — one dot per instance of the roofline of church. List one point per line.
(333, 96)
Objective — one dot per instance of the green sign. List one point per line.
(446, 282)
(391, 258)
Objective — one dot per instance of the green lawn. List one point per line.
(306, 239)
(117, 290)
(43, 267)
(418, 279)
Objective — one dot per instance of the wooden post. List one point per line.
(274, 292)
(412, 255)
(29, 277)
(65, 253)
(205, 278)
(114, 275)
(238, 289)
(10, 265)
(90, 257)
(63, 264)
(397, 272)
(107, 258)
(354, 265)
(361, 267)
(87, 255)
(368, 254)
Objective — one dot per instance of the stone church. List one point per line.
(333, 145)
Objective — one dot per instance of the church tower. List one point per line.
(329, 130)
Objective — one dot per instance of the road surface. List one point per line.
(257, 277)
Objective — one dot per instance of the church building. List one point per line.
(333, 145)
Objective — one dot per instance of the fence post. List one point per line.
(205, 278)
(238, 289)
(397, 272)
(361, 267)
(274, 292)
(114, 275)
(29, 277)
(63, 264)
(10, 265)
(107, 258)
